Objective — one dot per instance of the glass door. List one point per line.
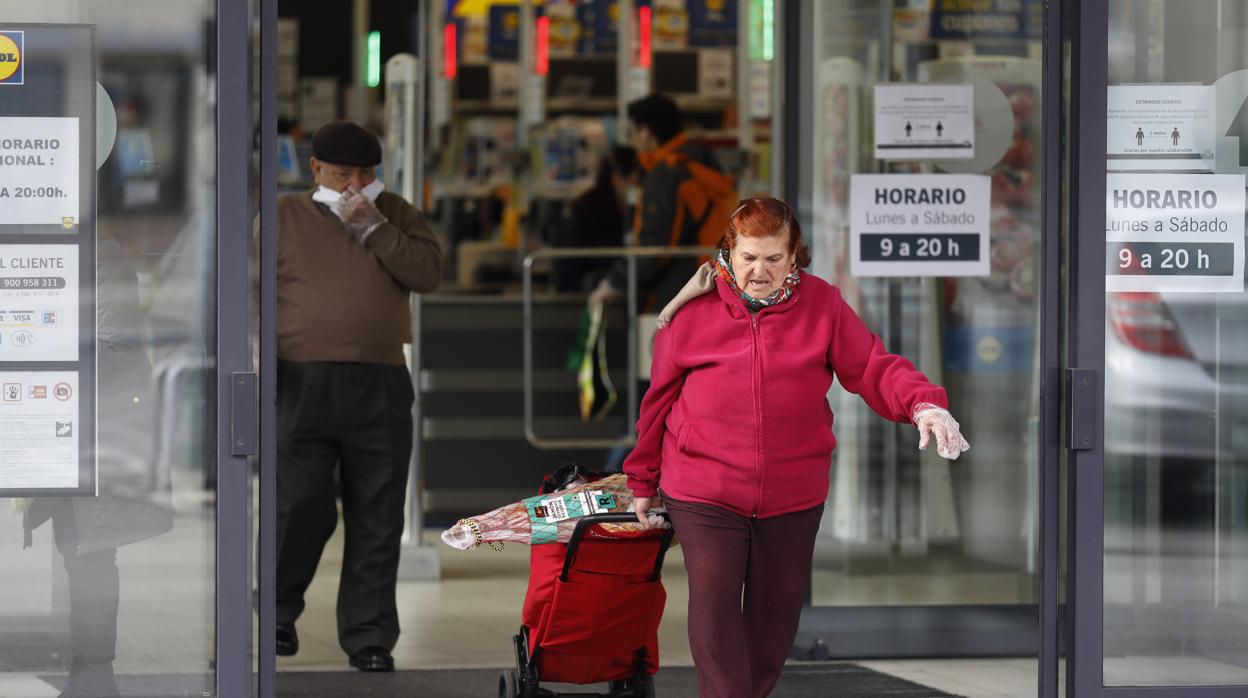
(918, 556)
(125, 141)
(1158, 329)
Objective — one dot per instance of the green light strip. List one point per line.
(374, 59)
(769, 39)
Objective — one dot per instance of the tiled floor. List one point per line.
(972, 678)
(465, 620)
(468, 618)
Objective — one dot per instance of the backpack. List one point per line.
(708, 197)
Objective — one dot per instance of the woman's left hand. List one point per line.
(932, 420)
(703, 281)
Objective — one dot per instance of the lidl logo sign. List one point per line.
(12, 45)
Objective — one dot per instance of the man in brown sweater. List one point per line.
(348, 258)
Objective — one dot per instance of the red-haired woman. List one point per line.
(735, 436)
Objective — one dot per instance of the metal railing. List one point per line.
(631, 255)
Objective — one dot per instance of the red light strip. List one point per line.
(449, 52)
(543, 46)
(643, 22)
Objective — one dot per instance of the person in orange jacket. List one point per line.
(682, 193)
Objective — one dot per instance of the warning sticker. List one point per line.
(38, 436)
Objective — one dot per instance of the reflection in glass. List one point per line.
(114, 594)
(904, 528)
(1176, 405)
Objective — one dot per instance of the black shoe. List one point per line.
(287, 640)
(372, 659)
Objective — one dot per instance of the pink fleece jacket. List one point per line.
(737, 413)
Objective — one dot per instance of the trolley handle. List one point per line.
(582, 526)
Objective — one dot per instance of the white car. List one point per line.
(1176, 375)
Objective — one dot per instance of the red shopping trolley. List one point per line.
(591, 613)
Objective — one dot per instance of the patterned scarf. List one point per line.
(723, 267)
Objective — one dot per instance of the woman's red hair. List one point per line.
(764, 216)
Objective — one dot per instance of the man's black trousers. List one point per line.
(357, 419)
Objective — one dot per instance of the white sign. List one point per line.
(638, 82)
(924, 122)
(760, 89)
(1168, 232)
(39, 303)
(318, 103)
(533, 104)
(715, 73)
(39, 171)
(39, 429)
(919, 224)
(504, 82)
(288, 37)
(1157, 127)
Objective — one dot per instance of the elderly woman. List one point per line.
(735, 437)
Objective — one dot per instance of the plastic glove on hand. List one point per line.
(703, 281)
(641, 507)
(932, 420)
(359, 214)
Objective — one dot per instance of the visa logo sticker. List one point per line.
(12, 46)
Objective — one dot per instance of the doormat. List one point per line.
(798, 681)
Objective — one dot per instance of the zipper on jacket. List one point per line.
(758, 414)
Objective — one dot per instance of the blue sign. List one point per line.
(989, 349)
(712, 22)
(503, 40)
(600, 26)
(1007, 19)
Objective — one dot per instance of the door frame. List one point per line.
(266, 303)
(235, 415)
(1084, 306)
(1053, 110)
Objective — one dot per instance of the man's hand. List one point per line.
(359, 214)
(604, 293)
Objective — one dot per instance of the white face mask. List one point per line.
(330, 198)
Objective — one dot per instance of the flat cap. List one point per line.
(346, 143)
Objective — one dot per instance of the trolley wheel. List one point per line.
(508, 684)
(645, 687)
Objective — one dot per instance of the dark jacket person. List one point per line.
(348, 258)
(597, 219)
(674, 202)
